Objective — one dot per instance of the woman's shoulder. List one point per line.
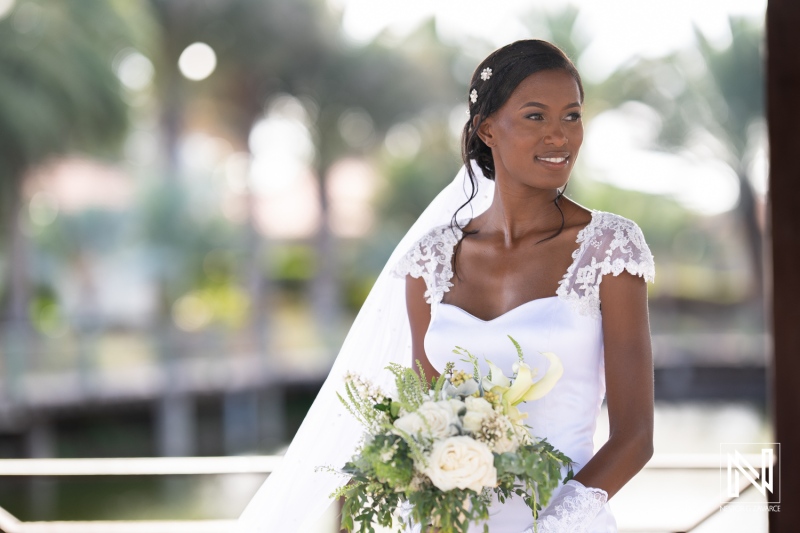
(430, 258)
(609, 220)
(609, 245)
(430, 252)
(613, 243)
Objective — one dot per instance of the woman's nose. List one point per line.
(555, 135)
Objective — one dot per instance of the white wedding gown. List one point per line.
(569, 324)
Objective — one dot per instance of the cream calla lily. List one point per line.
(523, 388)
(498, 379)
(551, 377)
(523, 382)
(514, 413)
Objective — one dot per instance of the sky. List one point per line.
(617, 30)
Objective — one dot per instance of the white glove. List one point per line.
(572, 510)
(405, 509)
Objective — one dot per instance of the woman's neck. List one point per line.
(515, 214)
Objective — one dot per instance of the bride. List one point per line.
(501, 251)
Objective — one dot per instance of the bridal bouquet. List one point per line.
(439, 453)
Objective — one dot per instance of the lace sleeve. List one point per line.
(430, 258)
(613, 245)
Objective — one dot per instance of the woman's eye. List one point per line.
(574, 117)
(535, 116)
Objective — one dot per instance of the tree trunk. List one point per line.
(16, 322)
(257, 284)
(16, 312)
(754, 234)
(325, 292)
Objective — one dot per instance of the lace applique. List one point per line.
(430, 258)
(610, 243)
(573, 513)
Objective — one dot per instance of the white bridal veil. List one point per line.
(294, 496)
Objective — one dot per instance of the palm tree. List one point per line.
(267, 48)
(58, 93)
(718, 99)
(387, 85)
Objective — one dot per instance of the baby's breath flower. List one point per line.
(365, 389)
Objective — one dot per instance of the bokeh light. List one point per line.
(134, 70)
(403, 141)
(197, 61)
(43, 208)
(351, 187)
(5, 7)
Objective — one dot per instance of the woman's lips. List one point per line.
(553, 163)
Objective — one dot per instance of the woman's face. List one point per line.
(535, 136)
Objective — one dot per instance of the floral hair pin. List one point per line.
(485, 75)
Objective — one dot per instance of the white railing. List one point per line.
(215, 465)
(138, 466)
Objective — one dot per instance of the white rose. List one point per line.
(479, 405)
(473, 420)
(411, 423)
(461, 462)
(478, 410)
(433, 419)
(455, 406)
(441, 417)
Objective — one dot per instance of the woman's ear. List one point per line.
(484, 130)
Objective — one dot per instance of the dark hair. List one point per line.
(510, 66)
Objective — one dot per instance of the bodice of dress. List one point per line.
(568, 323)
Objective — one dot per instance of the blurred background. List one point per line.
(197, 196)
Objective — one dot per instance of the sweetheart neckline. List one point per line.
(580, 240)
(498, 316)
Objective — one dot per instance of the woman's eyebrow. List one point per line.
(538, 104)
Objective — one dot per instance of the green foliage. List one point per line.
(539, 461)
(412, 389)
(469, 358)
(519, 349)
(453, 511)
(660, 218)
(360, 402)
(57, 87)
(292, 262)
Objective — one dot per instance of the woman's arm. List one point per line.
(629, 384)
(419, 317)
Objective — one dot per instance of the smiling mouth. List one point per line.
(553, 161)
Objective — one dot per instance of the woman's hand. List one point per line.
(572, 510)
